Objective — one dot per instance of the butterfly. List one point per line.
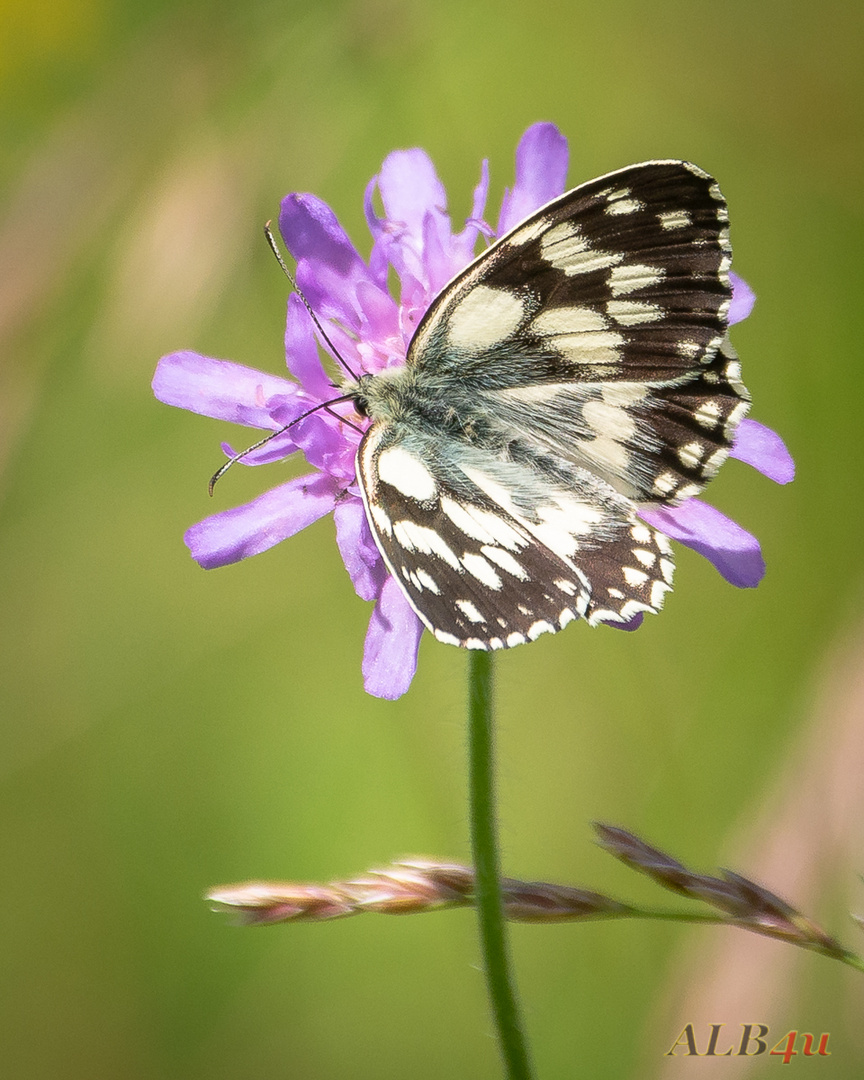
(577, 370)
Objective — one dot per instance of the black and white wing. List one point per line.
(491, 557)
(579, 368)
(597, 330)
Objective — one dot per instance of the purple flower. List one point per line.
(371, 331)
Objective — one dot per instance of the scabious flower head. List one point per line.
(372, 330)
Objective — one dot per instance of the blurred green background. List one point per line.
(167, 729)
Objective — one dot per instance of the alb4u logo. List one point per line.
(752, 1043)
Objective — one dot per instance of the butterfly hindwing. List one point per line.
(489, 558)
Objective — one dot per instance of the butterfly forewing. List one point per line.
(578, 368)
(591, 313)
(636, 261)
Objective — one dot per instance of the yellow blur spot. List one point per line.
(37, 32)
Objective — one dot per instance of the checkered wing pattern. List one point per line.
(579, 368)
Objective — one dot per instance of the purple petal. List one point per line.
(464, 242)
(392, 641)
(416, 233)
(248, 530)
(743, 299)
(763, 448)
(379, 315)
(333, 268)
(733, 551)
(633, 624)
(275, 449)
(541, 174)
(327, 444)
(481, 192)
(301, 351)
(312, 231)
(361, 557)
(437, 255)
(219, 389)
(378, 262)
(410, 189)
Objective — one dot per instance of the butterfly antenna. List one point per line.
(274, 247)
(267, 438)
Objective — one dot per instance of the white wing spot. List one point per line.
(414, 537)
(448, 639)
(587, 262)
(482, 525)
(506, 561)
(675, 219)
(607, 451)
(624, 206)
(610, 421)
(469, 611)
(565, 248)
(734, 417)
(568, 320)
(562, 519)
(381, 519)
(538, 628)
(427, 582)
(483, 317)
(689, 349)
(732, 371)
(623, 394)
(568, 587)
(641, 534)
(633, 276)
(515, 639)
(402, 470)
(691, 454)
(634, 577)
(707, 415)
(647, 558)
(665, 483)
(479, 568)
(667, 569)
(715, 461)
(599, 347)
(633, 313)
(559, 234)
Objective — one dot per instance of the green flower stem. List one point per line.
(484, 843)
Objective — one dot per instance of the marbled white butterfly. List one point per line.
(577, 370)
